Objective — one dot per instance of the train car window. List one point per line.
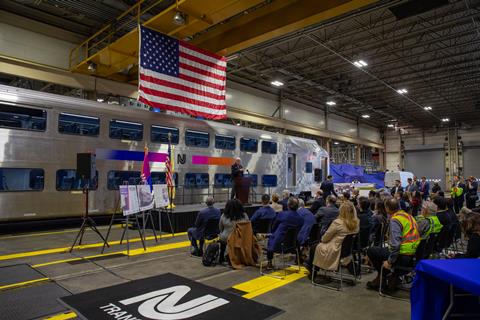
(21, 179)
(126, 130)
(67, 180)
(269, 180)
(117, 178)
(159, 134)
(254, 179)
(269, 147)
(78, 124)
(248, 145)
(197, 139)
(308, 167)
(161, 178)
(22, 118)
(196, 180)
(222, 180)
(224, 142)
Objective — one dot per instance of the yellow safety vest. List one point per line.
(410, 235)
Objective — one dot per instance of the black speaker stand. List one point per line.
(87, 222)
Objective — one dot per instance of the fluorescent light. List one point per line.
(336, 142)
(390, 125)
(402, 91)
(287, 111)
(331, 103)
(276, 83)
(427, 108)
(100, 100)
(360, 63)
(365, 116)
(445, 119)
(265, 136)
(8, 97)
(238, 123)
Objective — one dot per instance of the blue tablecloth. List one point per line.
(429, 296)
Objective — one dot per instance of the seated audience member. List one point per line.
(276, 205)
(364, 214)
(407, 202)
(284, 221)
(427, 220)
(379, 223)
(265, 212)
(344, 197)
(404, 240)
(197, 233)
(470, 223)
(326, 254)
(308, 221)
(327, 214)
(435, 189)
(372, 197)
(355, 196)
(416, 202)
(442, 211)
(318, 202)
(233, 213)
(284, 202)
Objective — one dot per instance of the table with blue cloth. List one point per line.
(446, 287)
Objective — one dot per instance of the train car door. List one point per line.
(291, 169)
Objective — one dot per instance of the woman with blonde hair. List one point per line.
(326, 254)
(275, 203)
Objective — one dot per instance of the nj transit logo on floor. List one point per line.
(165, 297)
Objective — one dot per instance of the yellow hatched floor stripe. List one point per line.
(264, 284)
(254, 287)
(21, 284)
(86, 246)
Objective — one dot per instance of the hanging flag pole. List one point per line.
(169, 173)
(146, 176)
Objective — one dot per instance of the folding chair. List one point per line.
(211, 232)
(348, 245)
(288, 246)
(262, 226)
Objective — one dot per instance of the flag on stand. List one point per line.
(177, 76)
(169, 175)
(146, 176)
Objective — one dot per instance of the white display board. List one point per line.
(129, 199)
(160, 192)
(145, 197)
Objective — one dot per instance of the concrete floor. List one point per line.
(298, 299)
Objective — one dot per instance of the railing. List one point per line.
(119, 27)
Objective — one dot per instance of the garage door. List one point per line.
(471, 161)
(428, 163)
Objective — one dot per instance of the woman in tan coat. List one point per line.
(326, 254)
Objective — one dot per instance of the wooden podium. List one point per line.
(242, 188)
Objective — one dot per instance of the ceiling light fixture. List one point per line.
(331, 103)
(287, 111)
(92, 67)
(337, 143)
(445, 119)
(390, 125)
(427, 108)
(100, 100)
(402, 91)
(179, 18)
(276, 83)
(365, 116)
(360, 63)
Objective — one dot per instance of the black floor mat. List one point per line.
(167, 296)
(31, 302)
(18, 273)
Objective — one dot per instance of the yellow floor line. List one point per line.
(63, 316)
(66, 249)
(264, 284)
(21, 284)
(49, 233)
(133, 252)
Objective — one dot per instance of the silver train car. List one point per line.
(41, 134)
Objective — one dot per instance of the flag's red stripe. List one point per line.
(173, 85)
(202, 51)
(183, 110)
(177, 97)
(200, 81)
(202, 61)
(202, 72)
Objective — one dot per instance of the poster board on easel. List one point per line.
(160, 192)
(145, 197)
(129, 200)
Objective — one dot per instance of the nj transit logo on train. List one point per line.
(163, 305)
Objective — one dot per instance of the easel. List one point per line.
(87, 221)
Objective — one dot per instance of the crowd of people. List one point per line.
(394, 228)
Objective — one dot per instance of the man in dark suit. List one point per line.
(424, 188)
(326, 215)
(318, 202)
(471, 192)
(197, 233)
(396, 188)
(411, 186)
(237, 172)
(327, 187)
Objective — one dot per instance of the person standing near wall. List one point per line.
(471, 192)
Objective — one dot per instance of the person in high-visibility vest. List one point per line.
(428, 223)
(457, 193)
(403, 242)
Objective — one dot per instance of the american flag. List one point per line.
(168, 165)
(177, 76)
